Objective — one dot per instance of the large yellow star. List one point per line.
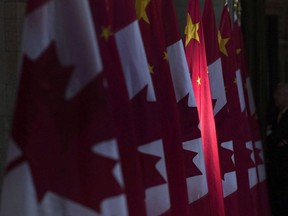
(191, 30)
(141, 6)
(222, 43)
(106, 32)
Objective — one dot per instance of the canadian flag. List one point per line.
(264, 207)
(70, 153)
(150, 15)
(243, 147)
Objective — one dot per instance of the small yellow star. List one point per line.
(238, 51)
(199, 81)
(166, 56)
(191, 30)
(151, 68)
(222, 43)
(106, 32)
(141, 6)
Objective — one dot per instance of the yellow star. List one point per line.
(106, 32)
(199, 81)
(151, 68)
(166, 56)
(191, 30)
(141, 6)
(238, 51)
(222, 43)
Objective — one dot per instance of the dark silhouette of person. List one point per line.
(277, 141)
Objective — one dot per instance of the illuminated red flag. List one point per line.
(222, 119)
(253, 122)
(196, 178)
(196, 58)
(151, 24)
(243, 146)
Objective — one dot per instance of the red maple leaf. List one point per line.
(152, 177)
(191, 168)
(56, 135)
(146, 118)
(189, 120)
(258, 158)
(226, 163)
(147, 129)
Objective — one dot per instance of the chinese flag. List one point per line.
(252, 119)
(240, 130)
(196, 58)
(196, 178)
(222, 118)
(150, 20)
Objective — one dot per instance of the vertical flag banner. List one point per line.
(72, 149)
(151, 25)
(196, 58)
(127, 78)
(196, 178)
(63, 157)
(243, 146)
(222, 118)
(252, 118)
